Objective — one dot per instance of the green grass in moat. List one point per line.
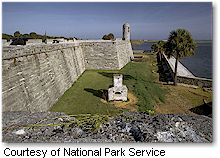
(142, 84)
(85, 94)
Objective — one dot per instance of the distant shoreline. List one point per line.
(140, 42)
(204, 41)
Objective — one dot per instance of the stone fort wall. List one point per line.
(106, 55)
(190, 80)
(35, 76)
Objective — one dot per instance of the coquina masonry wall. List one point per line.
(107, 55)
(35, 76)
(100, 55)
(125, 53)
(191, 80)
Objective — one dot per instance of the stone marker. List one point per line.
(119, 91)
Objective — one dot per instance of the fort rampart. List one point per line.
(106, 55)
(184, 75)
(35, 76)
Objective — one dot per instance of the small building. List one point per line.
(119, 91)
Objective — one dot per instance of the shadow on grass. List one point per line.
(164, 74)
(204, 109)
(110, 75)
(101, 93)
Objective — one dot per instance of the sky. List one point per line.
(151, 21)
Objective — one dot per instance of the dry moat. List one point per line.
(59, 93)
(171, 118)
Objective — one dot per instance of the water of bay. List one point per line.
(199, 64)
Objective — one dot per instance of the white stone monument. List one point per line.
(119, 91)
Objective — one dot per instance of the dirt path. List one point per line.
(130, 105)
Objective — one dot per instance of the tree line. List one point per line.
(32, 35)
(179, 44)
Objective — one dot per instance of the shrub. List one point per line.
(110, 36)
(19, 41)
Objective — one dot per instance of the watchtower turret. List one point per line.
(126, 32)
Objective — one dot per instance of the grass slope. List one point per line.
(85, 96)
(143, 85)
(82, 97)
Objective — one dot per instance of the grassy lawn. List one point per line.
(87, 94)
(142, 83)
(83, 97)
(181, 99)
(146, 93)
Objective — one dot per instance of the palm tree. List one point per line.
(180, 44)
(154, 47)
(159, 48)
